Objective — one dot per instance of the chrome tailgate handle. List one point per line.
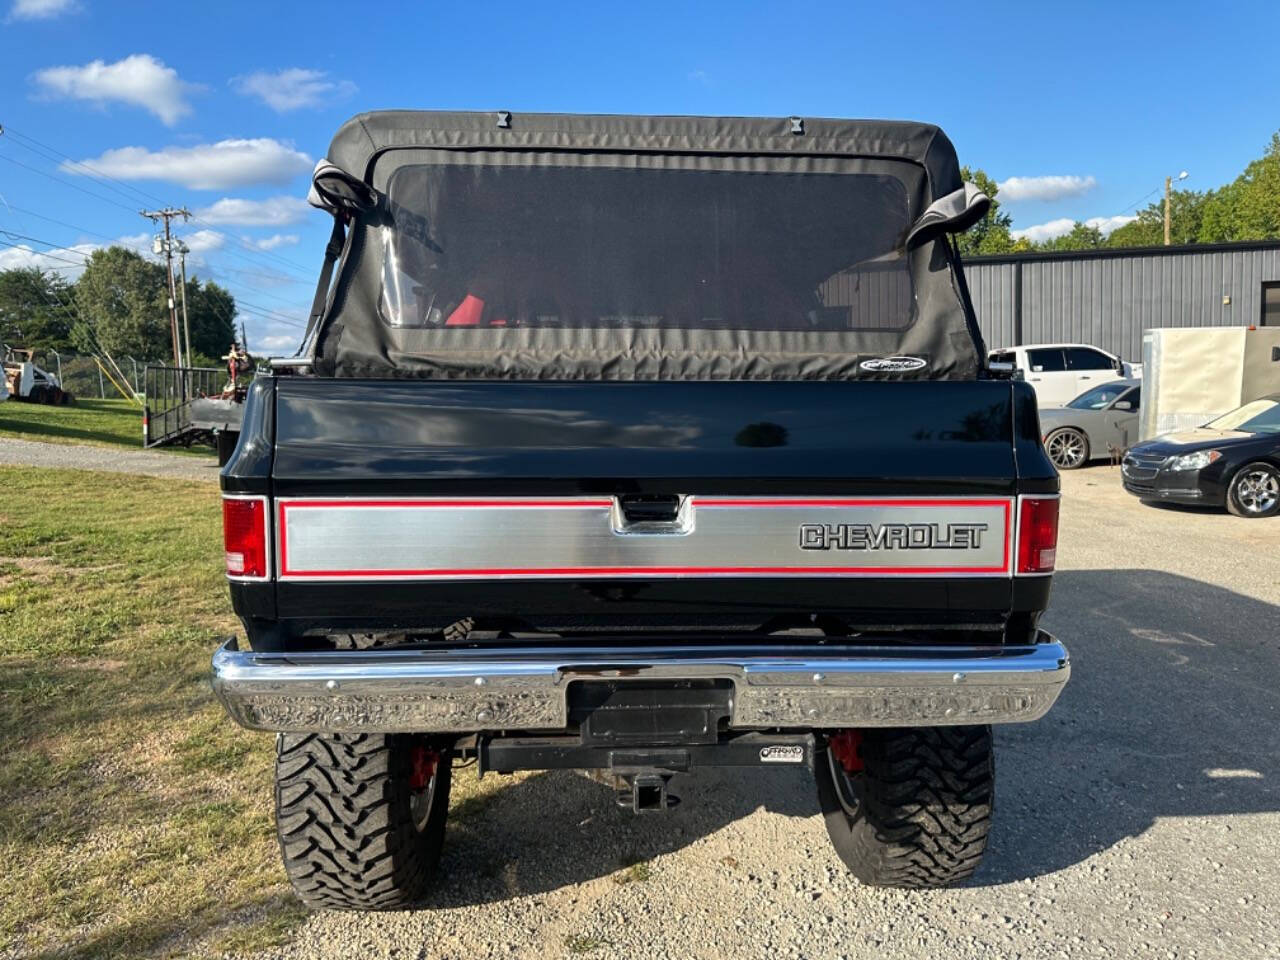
(644, 514)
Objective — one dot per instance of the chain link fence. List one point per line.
(79, 373)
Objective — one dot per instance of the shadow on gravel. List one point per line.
(1171, 711)
(560, 828)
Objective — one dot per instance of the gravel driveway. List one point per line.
(1141, 818)
(32, 453)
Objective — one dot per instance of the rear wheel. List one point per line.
(1255, 491)
(1068, 448)
(908, 808)
(361, 817)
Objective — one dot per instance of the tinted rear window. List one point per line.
(1047, 361)
(538, 245)
(1081, 358)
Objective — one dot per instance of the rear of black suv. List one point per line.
(639, 445)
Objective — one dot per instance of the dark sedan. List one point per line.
(1233, 461)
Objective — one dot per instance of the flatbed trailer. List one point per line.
(188, 405)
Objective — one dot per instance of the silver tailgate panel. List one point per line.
(571, 537)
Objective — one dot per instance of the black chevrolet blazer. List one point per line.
(637, 444)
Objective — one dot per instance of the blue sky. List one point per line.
(1079, 110)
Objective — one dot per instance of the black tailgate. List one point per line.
(346, 442)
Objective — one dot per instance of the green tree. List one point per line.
(210, 311)
(1186, 211)
(991, 233)
(1081, 237)
(35, 309)
(1248, 208)
(126, 299)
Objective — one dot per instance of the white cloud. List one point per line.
(274, 241)
(1062, 226)
(67, 261)
(293, 88)
(138, 242)
(279, 341)
(208, 166)
(140, 80)
(199, 242)
(1044, 188)
(1045, 231)
(1107, 224)
(204, 241)
(41, 9)
(272, 212)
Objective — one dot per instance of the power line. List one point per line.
(39, 253)
(64, 180)
(44, 150)
(71, 226)
(259, 315)
(61, 223)
(97, 176)
(94, 340)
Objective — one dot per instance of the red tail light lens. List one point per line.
(244, 536)
(1038, 535)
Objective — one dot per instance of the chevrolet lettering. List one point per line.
(891, 536)
(637, 445)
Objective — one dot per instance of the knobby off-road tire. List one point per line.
(917, 815)
(353, 833)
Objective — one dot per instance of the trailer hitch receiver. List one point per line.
(646, 792)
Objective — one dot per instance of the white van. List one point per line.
(1060, 372)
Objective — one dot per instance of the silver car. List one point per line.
(1102, 422)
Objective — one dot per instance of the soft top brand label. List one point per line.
(893, 364)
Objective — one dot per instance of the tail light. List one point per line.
(1037, 534)
(244, 536)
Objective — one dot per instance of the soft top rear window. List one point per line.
(535, 241)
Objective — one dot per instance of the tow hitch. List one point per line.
(646, 792)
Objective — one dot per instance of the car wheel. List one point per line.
(1068, 448)
(1255, 491)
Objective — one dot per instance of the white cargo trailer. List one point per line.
(1193, 374)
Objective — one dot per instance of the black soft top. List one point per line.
(503, 245)
(361, 139)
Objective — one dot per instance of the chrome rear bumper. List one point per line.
(788, 687)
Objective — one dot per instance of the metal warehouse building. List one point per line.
(1108, 297)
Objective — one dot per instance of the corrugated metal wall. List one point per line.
(878, 295)
(1109, 300)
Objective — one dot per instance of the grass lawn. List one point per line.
(115, 423)
(135, 818)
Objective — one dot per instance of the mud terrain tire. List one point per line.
(917, 814)
(354, 834)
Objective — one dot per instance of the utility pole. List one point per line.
(183, 250)
(1168, 186)
(167, 214)
(1168, 189)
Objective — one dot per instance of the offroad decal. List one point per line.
(576, 537)
(782, 753)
